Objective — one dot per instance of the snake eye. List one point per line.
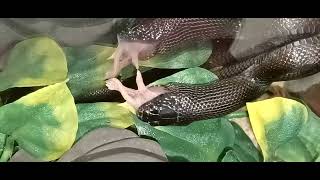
(154, 112)
(147, 113)
(168, 113)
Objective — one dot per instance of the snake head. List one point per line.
(160, 111)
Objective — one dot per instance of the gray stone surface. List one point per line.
(132, 150)
(252, 33)
(94, 139)
(70, 31)
(23, 156)
(111, 144)
(302, 85)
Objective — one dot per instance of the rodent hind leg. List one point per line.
(135, 97)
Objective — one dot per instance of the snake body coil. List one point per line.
(291, 51)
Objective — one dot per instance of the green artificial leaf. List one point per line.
(195, 75)
(44, 123)
(87, 67)
(231, 156)
(309, 135)
(210, 140)
(34, 62)
(95, 115)
(243, 149)
(285, 129)
(292, 151)
(201, 141)
(7, 149)
(3, 138)
(187, 58)
(237, 115)
(194, 141)
(130, 71)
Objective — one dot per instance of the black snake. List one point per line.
(291, 51)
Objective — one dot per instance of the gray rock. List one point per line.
(132, 150)
(113, 145)
(94, 139)
(303, 84)
(23, 156)
(252, 33)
